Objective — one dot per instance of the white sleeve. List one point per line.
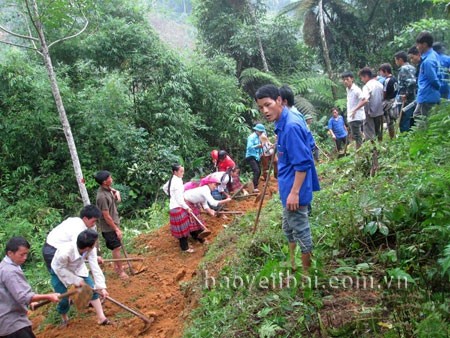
(177, 193)
(97, 273)
(59, 265)
(209, 199)
(365, 93)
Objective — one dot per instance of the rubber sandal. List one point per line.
(190, 250)
(106, 322)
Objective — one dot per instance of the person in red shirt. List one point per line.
(222, 161)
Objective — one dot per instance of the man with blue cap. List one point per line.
(253, 153)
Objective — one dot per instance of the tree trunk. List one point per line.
(258, 37)
(263, 55)
(60, 106)
(326, 53)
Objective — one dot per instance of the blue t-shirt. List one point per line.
(428, 82)
(444, 65)
(337, 126)
(294, 154)
(252, 151)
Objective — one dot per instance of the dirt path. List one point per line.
(156, 292)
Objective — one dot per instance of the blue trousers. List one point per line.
(64, 306)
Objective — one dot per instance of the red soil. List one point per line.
(158, 292)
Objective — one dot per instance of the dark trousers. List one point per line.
(48, 252)
(184, 245)
(341, 142)
(26, 332)
(254, 164)
(407, 121)
(355, 129)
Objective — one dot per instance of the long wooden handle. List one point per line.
(127, 259)
(140, 315)
(264, 192)
(123, 259)
(61, 296)
(198, 220)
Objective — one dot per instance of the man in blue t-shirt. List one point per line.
(337, 129)
(428, 93)
(297, 177)
(443, 69)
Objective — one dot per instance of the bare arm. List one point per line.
(293, 201)
(361, 104)
(110, 222)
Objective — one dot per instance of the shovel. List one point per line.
(261, 196)
(206, 232)
(128, 261)
(147, 321)
(80, 298)
(123, 259)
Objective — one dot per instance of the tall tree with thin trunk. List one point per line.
(323, 40)
(315, 19)
(39, 44)
(252, 10)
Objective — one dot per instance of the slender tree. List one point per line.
(314, 9)
(39, 44)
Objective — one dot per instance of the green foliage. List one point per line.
(439, 28)
(364, 227)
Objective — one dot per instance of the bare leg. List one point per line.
(118, 265)
(292, 246)
(306, 262)
(64, 317)
(98, 310)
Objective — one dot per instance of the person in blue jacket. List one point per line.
(428, 84)
(443, 69)
(297, 177)
(253, 153)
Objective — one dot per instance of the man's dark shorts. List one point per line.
(111, 239)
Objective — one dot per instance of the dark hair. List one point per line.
(386, 67)
(102, 176)
(269, 91)
(401, 55)
(86, 239)
(366, 71)
(90, 211)
(413, 50)
(425, 37)
(176, 167)
(222, 154)
(438, 47)
(333, 109)
(347, 74)
(287, 94)
(15, 243)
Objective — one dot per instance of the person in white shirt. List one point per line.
(372, 102)
(355, 114)
(181, 224)
(202, 197)
(224, 177)
(69, 269)
(68, 231)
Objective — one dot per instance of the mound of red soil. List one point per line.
(158, 292)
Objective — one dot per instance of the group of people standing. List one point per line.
(385, 98)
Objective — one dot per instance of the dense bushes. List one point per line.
(390, 227)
